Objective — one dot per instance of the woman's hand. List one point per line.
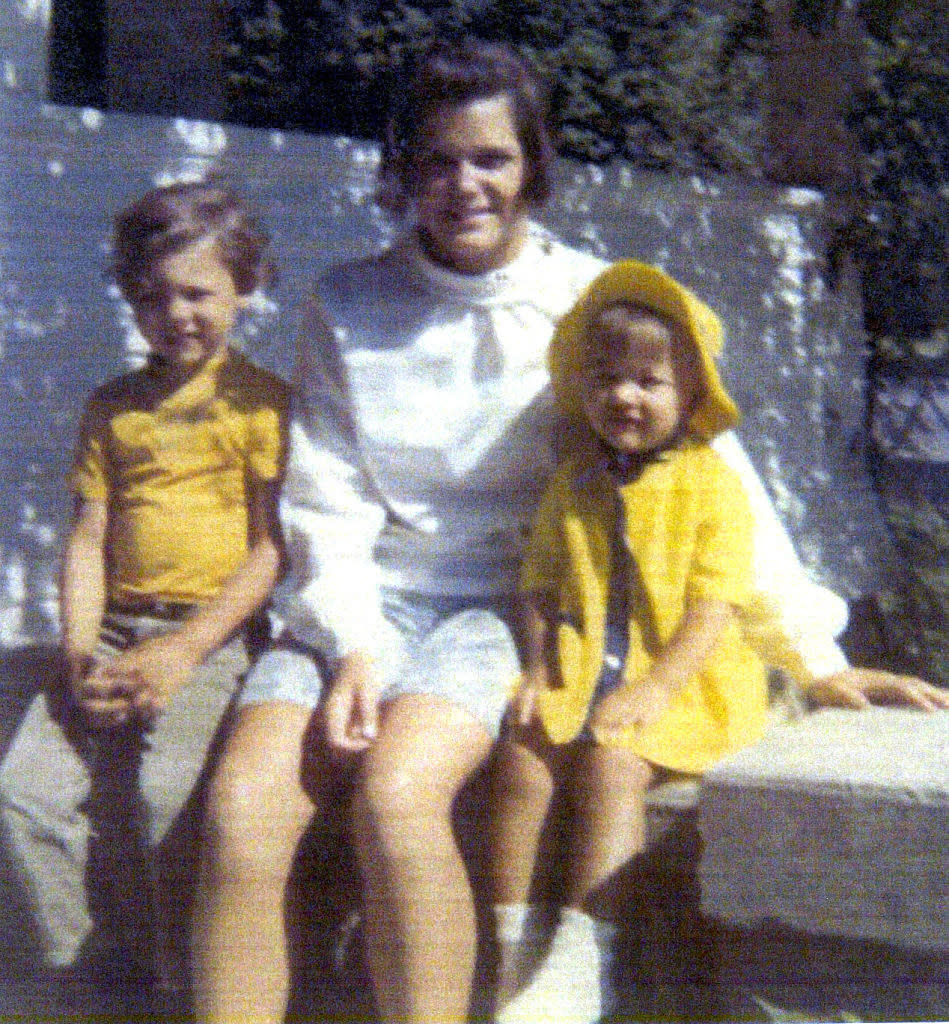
(352, 705)
(861, 687)
(522, 708)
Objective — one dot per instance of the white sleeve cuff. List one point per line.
(337, 620)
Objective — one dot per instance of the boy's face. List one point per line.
(637, 385)
(187, 305)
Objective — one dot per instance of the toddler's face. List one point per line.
(187, 305)
(636, 389)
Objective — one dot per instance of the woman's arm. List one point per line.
(792, 622)
(330, 516)
(331, 519)
(860, 687)
(536, 615)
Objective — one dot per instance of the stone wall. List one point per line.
(794, 354)
(794, 361)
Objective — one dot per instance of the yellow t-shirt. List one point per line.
(174, 464)
(687, 527)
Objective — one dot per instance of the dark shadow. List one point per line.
(77, 35)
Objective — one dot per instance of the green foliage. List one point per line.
(664, 83)
(672, 85)
(901, 122)
(257, 74)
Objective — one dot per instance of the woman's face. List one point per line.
(468, 177)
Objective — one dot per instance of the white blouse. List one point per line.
(422, 437)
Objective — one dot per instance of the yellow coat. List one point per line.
(688, 529)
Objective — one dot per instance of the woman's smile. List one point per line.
(468, 186)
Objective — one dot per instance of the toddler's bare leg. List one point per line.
(608, 797)
(575, 983)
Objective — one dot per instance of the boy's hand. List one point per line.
(153, 671)
(352, 705)
(106, 702)
(634, 704)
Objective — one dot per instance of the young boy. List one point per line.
(635, 662)
(172, 552)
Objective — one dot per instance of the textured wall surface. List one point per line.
(794, 355)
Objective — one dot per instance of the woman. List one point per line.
(421, 440)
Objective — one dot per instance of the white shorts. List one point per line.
(461, 649)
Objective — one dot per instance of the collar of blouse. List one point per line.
(520, 278)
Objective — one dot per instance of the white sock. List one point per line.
(521, 930)
(573, 985)
(519, 922)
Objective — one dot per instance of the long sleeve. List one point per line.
(790, 621)
(330, 517)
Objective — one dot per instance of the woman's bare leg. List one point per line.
(420, 922)
(260, 802)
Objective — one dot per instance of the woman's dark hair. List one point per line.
(171, 217)
(462, 72)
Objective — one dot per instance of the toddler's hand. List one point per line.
(632, 705)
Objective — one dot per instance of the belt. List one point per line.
(153, 607)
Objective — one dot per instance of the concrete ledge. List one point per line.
(834, 825)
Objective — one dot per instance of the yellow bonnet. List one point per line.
(630, 281)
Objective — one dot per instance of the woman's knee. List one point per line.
(392, 792)
(256, 807)
(423, 758)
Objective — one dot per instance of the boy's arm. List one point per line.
(82, 587)
(642, 701)
(158, 666)
(82, 598)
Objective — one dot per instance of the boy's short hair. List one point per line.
(169, 218)
(459, 72)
